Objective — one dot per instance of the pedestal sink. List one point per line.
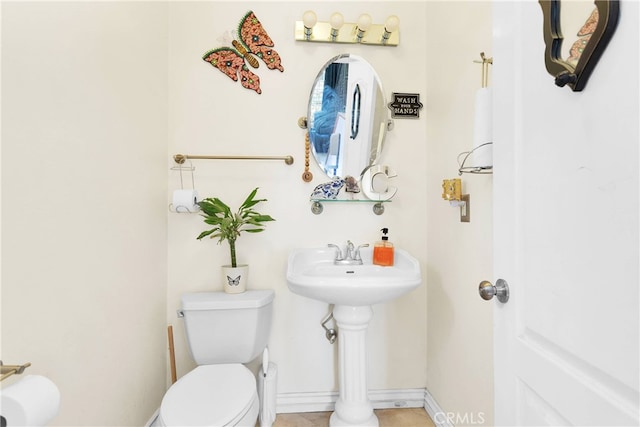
(311, 272)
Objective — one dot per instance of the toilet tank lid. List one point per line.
(223, 300)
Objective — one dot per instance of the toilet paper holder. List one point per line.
(182, 207)
(486, 168)
(7, 370)
(462, 168)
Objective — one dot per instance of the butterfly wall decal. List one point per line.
(253, 40)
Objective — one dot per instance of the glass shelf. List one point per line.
(378, 205)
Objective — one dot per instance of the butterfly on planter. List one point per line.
(254, 40)
(233, 282)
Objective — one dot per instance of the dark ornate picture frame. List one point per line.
(565, 73)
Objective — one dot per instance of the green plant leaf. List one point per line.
(249, 198)
(263, 218)
(227, 225)
(205, 234)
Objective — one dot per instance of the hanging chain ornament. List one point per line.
(306, 175)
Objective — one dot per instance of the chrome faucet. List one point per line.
(351, 256)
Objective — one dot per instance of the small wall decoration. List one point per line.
(405, 105)
(253, 40)
(571, 61)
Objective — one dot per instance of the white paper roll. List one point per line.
(32, 401)
(185, 201)
(483, 129)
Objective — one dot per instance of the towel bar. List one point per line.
(180, 158)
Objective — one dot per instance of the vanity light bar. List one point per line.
(338, 31)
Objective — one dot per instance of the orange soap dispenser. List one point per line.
(383, 250)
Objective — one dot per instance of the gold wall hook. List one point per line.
(8, 370)
(485, 68)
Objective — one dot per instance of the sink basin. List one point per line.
(312, 273)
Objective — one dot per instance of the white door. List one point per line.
(566, 193)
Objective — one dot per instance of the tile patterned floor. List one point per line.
(405, 417)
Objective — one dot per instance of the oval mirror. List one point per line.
(347, 116)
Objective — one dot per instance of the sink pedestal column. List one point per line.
(353, 407)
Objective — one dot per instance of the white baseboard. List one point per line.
(434, 411)
(325, 401)
(153, 421)
(380, 399)
(287, 403)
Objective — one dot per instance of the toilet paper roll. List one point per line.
(483, 129)
(185, 201)
(32, 401)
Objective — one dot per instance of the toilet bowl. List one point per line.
(224, 332)
(212, 395)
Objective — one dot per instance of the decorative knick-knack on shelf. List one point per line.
(328, 190)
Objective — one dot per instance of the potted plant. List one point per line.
(228, 226)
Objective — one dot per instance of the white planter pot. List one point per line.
(235, 279)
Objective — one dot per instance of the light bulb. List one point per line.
(364, 22)
(392, 23)
(309, 19)
(336, 21)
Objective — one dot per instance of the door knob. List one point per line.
(501, 290)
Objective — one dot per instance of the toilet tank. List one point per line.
(227, 328)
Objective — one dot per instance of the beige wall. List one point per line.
(83, 204)
(459, 323)
(91, 281)
(210, 114)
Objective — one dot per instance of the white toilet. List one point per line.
(224, 331)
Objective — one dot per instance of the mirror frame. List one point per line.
(564, 73)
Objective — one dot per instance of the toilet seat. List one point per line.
(211, 395)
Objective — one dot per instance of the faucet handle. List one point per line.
(338, 251)
(357, 256)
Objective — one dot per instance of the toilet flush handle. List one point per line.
(180, 313)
